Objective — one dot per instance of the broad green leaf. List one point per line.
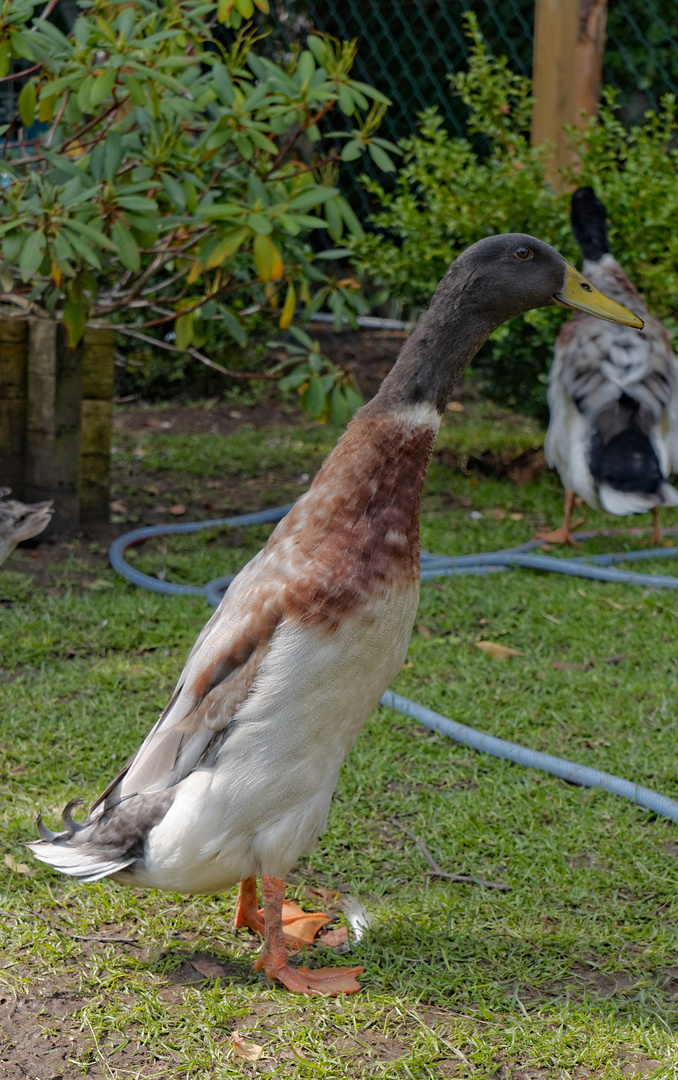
(128, 249)
(75, 321)
(4, 61)
(339, 408)
(245, 7)
(313, 399)
(31, 255)
(183, 330)
(259, 223)
(234, 327)
(103, 86)
(174, 191)
(92, 234)
(287, 313)
(267, 259)
(313, 196)
(380, 158)
(26, 104)
(227, 246)
(112, 155)
(352, 150)
(83, 248)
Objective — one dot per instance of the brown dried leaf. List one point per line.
(455, 406)
(119, 507)
(424, 631)
(496, 651)
(209, 968)
(178, 510)
(333, 938)
(242, 1048)
(17, 867)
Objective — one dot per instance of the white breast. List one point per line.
(266, 800)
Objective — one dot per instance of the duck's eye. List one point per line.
(524, 253)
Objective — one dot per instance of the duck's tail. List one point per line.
(72, 851)
(588, 219)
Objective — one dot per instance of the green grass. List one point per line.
(571, 974)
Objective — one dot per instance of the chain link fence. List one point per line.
(408, 48)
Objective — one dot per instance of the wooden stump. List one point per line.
(55, 419)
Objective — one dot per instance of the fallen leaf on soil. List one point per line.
(301, 925)
(455, 406)
(319, 892)
(242, 1048)
(424, 631)
(334, 938)
(614, 659)
(119, 507)
(152, 489)
(561, 665)
(17, 867)
(209, 968)
(178, 510)
(214, 483)
(496, 651)
(515, 516)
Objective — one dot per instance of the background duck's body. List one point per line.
(613, 394)
(20, 521)
(236, 778)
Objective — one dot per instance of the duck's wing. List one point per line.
(599, 362)
(216, 679)
(20, 521)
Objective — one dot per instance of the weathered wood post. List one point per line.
(13, 394)
(97, 416)
(569, 41)
(53, 424)
(56, 408)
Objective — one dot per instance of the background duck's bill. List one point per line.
(581, 294)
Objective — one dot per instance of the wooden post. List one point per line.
(97, 415)
(53, 421)
(556, 28)
(13, 393)
(590, 52)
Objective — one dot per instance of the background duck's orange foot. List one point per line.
(558, 536)
(322, 982)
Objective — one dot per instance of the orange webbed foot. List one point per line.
(318, 982)
(274, 959)
(559, 536)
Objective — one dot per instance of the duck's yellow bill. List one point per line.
(581, 294)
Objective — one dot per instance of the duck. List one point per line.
(612, 395)
(20, 521)
(235, 779)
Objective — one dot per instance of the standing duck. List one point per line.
(235, 779)
(613, 395)
(20, 521)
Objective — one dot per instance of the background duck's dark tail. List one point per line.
(587, 217)
(627, 469)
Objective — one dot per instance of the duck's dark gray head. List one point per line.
(490, 282)
(514, 272)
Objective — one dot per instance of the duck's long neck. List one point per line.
(442, 344)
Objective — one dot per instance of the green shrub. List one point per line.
(162, 179)
(451, 192)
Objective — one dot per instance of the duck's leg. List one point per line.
(563, 535)
(328, 982)
(656, 537)
(247, 907)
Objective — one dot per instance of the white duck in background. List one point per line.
(235, 779)
(20, 521)
(613, 395)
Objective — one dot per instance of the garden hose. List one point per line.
(594, 567)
